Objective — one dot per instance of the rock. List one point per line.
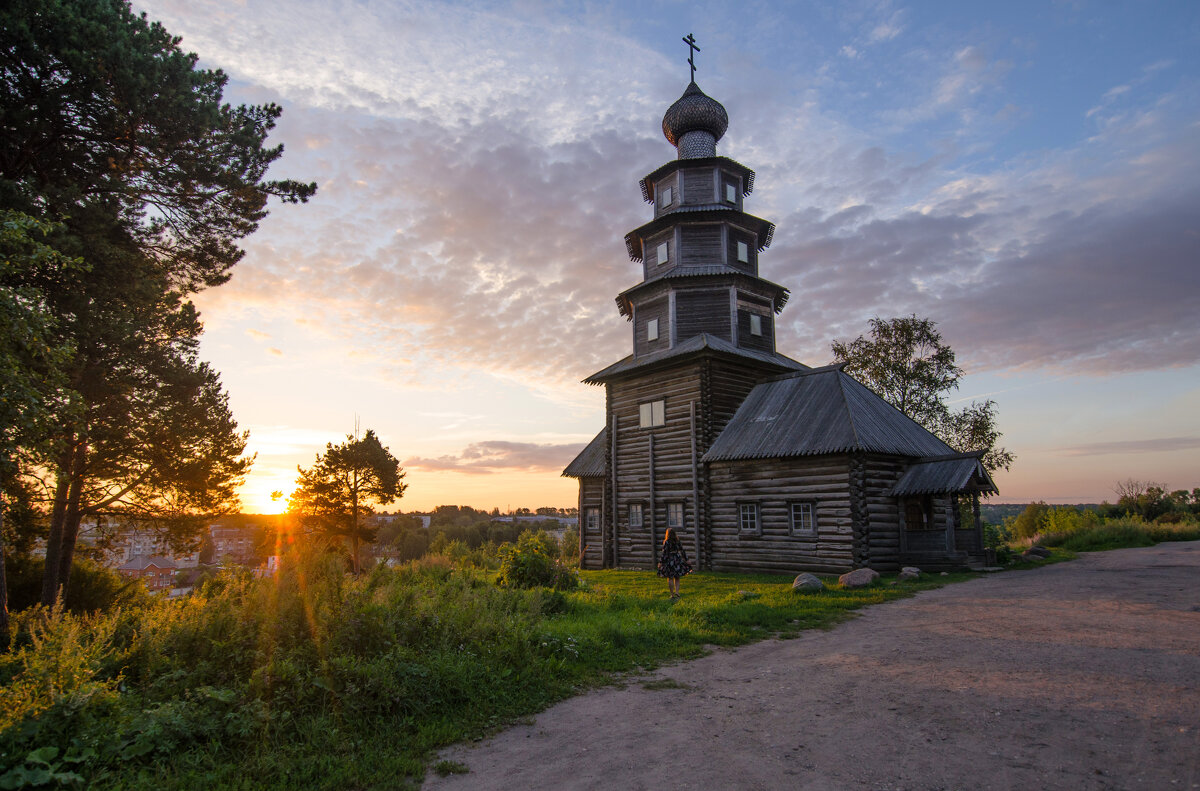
(859, 578)
(1040, 552)
(911, 569)
(808, 582)
(944, 574)
(908, 574)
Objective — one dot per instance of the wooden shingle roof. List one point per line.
(590, 461)
(823, 410)
(695, 345)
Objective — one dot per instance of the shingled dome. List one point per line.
(695, 111)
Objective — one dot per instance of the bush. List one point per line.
(530, 564)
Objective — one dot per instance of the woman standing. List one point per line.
(673, 562)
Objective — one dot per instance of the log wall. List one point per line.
(823, 481)
(591, 540)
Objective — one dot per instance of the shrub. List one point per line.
(529, 564)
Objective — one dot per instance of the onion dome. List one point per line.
(695, 111)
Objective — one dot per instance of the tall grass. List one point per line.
(317, 679)
(1093, 534)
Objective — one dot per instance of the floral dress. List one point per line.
(674, 563)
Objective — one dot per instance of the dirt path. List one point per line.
(1081, 675)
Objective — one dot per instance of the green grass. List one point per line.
(314, 679)
(1120, 533)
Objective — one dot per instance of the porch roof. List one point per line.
(956, 474)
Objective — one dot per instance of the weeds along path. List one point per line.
(1080, 675)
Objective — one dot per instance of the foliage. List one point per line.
(343, 484)
(532, 562)
(906, 362)
(318, 679)
(569, 546)
(1150, 500)
(113, 140)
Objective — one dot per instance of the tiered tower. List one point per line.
(703, 337)
(699, 253)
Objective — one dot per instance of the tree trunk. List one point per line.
(3, 585)
(63, 544)
(54, 539)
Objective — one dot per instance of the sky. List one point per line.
(1026, 174)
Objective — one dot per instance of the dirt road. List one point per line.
(1081, 675)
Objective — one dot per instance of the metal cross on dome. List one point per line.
(690, 40)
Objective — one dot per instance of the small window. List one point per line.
(743, 252)
(664, 253)
(730, 193)
(665, 196)
(803, 523)
(652, 330)
(755, 324)
(635, 514)
(748, 518)
(652, 414)
(675, 515)
(592, 518)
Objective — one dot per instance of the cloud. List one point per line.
(258, 335)
(493, 456)
(275, 352)
(1163, 445)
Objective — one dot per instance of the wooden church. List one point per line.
(759, 462)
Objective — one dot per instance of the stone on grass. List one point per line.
(912, 569)
(808, 582)
(1040, 552)
(859, 578)
(908, 574)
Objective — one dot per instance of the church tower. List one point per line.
(758, 462)
(703, 337)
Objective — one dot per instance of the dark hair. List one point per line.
(670, 539)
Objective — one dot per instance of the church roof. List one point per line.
(590, 461)
(823, 410)
(694, 345)
(694, 111)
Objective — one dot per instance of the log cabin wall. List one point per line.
(700, 245)
(772, 485)
(591, 533)
(881, 512)
(653, 465)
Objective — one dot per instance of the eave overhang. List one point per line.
(678, 164)
(696, 346)
(698, 275)
(708, 212)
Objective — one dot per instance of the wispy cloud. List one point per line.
(494, 456)
(1162, 445)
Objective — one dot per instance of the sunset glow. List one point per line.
(1026, 176)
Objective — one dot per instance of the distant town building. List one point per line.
(158, 573)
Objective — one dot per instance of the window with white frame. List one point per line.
(635, 514)
(743, 252)
(591, 518)
(803, 522)
(755, 324)
(730, 193)
(652, 330)
(748, 518)
(651, 414)
(666, 195)
(675, 515)
(664, 253)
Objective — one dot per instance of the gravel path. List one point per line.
(1080, 675)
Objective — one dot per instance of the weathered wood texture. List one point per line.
(657, 310)
(763, 342)
(773, 484)
(677, 386)
(699, 311)
(698, 185)
(591, 537)
(700, 245)
(734, 236)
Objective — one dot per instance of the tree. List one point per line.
(906, 362)
(31, 365)
(109, 130)
(343, 485)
